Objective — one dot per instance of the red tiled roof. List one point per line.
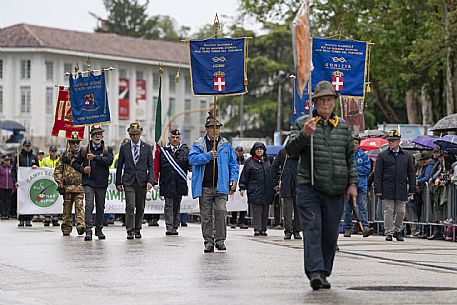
(25, 35)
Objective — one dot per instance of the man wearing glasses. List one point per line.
(395, 177)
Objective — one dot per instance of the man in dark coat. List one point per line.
(174, 165)
(134, 173)
(93, 162)
(284, 173)
(333, 174)
(395, 177)
(26, 159)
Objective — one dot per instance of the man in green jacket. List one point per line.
(335, 175)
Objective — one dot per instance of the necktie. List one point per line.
(136, 153)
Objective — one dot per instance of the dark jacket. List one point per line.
(171, 183)
(99, 166)
(393, 174)
(6, 181)
(256, 179)
(26, 159)
(334, 167)
(127, 171)
(288, 166)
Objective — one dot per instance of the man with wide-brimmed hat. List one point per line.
(395, 178)
(134, 174)
(93, 162)
(334, 175)
(69, 185)
(214, 177)
(172, 173)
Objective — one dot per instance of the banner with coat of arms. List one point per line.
(344, 64)
(89, 100)
(218, 66)
(63, 118)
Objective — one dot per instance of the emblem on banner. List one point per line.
(219, 81)
(337, 80)
(89, 100)
(43, 192)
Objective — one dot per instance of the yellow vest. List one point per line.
(48, 162)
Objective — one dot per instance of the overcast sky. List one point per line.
(73, 14)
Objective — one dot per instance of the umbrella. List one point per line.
(426, 141)
(373, 134)
(447, 123)
(11, 125)
(447, 142)
(408, 144)
(373, 154)
(372, 143)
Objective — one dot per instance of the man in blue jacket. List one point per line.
(214, 177)
(363, 165)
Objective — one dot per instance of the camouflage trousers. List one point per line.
(68, 200)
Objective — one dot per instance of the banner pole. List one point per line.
(216, 28)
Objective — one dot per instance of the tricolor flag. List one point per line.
(158, 133)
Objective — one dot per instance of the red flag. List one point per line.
(63, 119)
(157, 163)
(302, 46)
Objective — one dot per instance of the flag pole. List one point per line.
(216, 28)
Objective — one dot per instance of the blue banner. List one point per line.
(218, 66)
(341, 62)
(89, 101)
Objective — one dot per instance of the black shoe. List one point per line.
(256, 233)
(88, 237)
(154, 223)
(28, 223)
(389, 237)
(316, 282)
(183, 224)
(368, 231)
(297, 235)
(130, 235)
(21, 223)
(80, 231)
(138, 235)
(55, 223)
(244, 226)
(46, 223)
(174, 233)
(287, 235)
(233, 226)
(100, 234)
(325, 283)
(263, 233)
(168, 233)
(209, 248)
(398, 236)
(221, 247)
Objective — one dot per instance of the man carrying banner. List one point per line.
(335, 175)
(93, 161)
(134, 173)
(174, 164)
(214, 176)
(69, 185)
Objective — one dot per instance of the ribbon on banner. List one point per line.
(218, 66)
(89, 101)
(63, 118)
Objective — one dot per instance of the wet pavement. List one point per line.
(39, 266)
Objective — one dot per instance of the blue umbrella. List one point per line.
(426, 141)
(447, 142)
(11, 125)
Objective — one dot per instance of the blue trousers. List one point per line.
(320, 216)
(362, 205)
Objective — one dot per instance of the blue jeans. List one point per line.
(362, 205)
(320, 216)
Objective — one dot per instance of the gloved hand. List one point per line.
(61, 190)
(156, 187)
(66, 159)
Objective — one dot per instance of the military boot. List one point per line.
(88, 236)
(347, 233)
(99, 234)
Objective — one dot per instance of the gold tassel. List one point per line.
(368, 88)
(177, 77)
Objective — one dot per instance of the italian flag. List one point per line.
(158, 133)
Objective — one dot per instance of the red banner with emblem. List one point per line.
(124, 99)
(63, 119)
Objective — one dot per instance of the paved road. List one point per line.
(39, 266)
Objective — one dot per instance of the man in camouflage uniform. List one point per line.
(69, 184)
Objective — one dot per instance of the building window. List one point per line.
(172, 83)
(49, 103)
(1, 99)
(49, 70)
(187, 107)
(25, 69)
(67, 67)
(203, 112)
(1, 68)
(171, 107)
(139, 75)
(122, 73)
(25, 99)
(155, 81)
(186, 136)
